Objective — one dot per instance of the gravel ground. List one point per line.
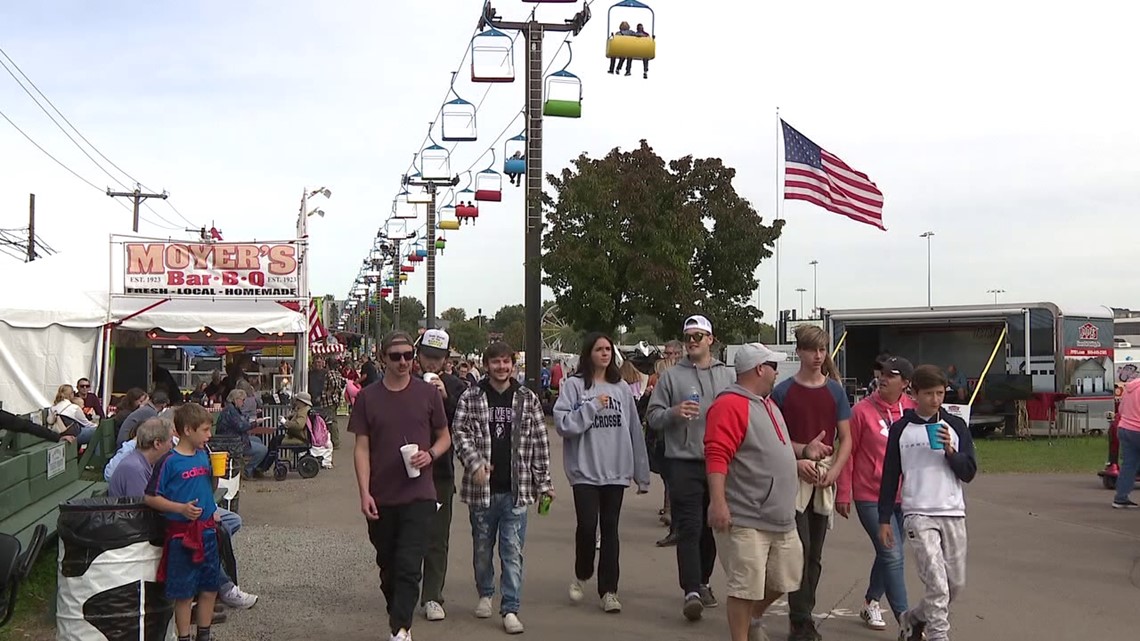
(1048, 544)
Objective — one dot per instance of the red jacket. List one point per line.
(871, 419)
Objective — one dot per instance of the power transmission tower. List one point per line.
(533, 31)
(136, 196)
(431, 186)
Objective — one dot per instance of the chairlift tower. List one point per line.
(431, 186)
(533, 31)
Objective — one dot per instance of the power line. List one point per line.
(80, 134)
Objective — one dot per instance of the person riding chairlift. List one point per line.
(624, 30)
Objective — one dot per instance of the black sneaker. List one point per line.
(708, 599)
(693, 607)
(811, 632)
(669, 541)
(1126, 505)
(799, 632)
(911, 631)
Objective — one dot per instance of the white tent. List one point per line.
(53, 313)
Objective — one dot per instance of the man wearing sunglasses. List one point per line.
(91, 400)
(677, 409)
(398, 500)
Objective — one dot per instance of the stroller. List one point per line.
(306, 458)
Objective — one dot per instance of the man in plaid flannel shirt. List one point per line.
(499, 434)
(328, 400)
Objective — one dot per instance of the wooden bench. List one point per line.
(28, 497)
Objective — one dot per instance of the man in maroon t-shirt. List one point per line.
(399, 509)
(814, 402)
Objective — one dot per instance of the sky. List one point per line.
(1008, 129)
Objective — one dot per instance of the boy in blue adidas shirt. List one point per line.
(181, 488)
(933, 453)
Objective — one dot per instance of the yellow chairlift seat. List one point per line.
(633, 47)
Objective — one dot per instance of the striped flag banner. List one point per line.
(317, 331)
(817, 176)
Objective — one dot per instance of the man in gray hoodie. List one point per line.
(677, 409)
(753, 482)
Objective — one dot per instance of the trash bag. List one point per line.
(89, 527)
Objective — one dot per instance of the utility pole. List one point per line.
(137, 197)
(533, 31)
(431, 186)
(31, 227)
(396, 260)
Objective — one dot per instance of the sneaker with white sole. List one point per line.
(236, 598)
(576, 593)
(433, 611)
(610, 603)
(484, 609)
(511, 623)
(402, 635)
(1124, 505)
(872, 615)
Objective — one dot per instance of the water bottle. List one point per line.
(694, 396)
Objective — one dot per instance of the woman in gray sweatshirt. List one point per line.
(596, 415)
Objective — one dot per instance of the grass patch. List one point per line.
(32, 621)
(1085, 454)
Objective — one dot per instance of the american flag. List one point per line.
(821, 178)
(317, 331)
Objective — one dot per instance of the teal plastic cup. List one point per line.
(932, 430)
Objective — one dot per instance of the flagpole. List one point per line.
(779, 202)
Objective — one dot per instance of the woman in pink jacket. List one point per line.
(1128, 435)
(871, 419)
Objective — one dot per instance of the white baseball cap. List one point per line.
(435, 342)
(753, 355)
(698, 322)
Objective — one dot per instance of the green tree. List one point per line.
(514, 334)
(467, 337)
(411, 313)
(630, 235)
(454, 315)
(506, 316)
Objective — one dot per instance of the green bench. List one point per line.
(28, 497)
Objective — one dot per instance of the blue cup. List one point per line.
(932, 430)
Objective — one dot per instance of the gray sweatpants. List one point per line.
(939, 545)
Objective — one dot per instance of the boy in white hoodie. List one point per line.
(933, 453)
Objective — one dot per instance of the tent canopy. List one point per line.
(52, 312)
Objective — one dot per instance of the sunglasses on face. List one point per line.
(398, 356)
(695, 337)
(84, 387)
(775, 366)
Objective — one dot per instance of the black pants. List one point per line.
(689, 507)
(398, 536)
(628, 65)
(594, 505)
(439, 538)
(812, 529)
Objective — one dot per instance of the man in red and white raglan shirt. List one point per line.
(750, 459)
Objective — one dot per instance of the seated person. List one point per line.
(155, 437)
(66, 415)
(306, 427)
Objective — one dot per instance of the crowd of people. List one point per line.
(755, 474)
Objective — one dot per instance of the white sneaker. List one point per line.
(402, 635)
(610, 603)
(576, 591)
(757, 633)
(433, 611)
(872, 615)
(484, 609)
(512, 624)
(237, 599)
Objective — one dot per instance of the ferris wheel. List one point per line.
(553, 329)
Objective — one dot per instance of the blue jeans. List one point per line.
(1129, 463)
(85, 434)
(257, 452)
(507, 523)
(887, 572)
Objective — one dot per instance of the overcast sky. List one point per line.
(1008, 129)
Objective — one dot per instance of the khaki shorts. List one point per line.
(759, 563)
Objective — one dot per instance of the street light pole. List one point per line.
(995, 292)
(801, 290)
(928, 235)
(814, 285)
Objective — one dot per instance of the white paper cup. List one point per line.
(408, 451)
